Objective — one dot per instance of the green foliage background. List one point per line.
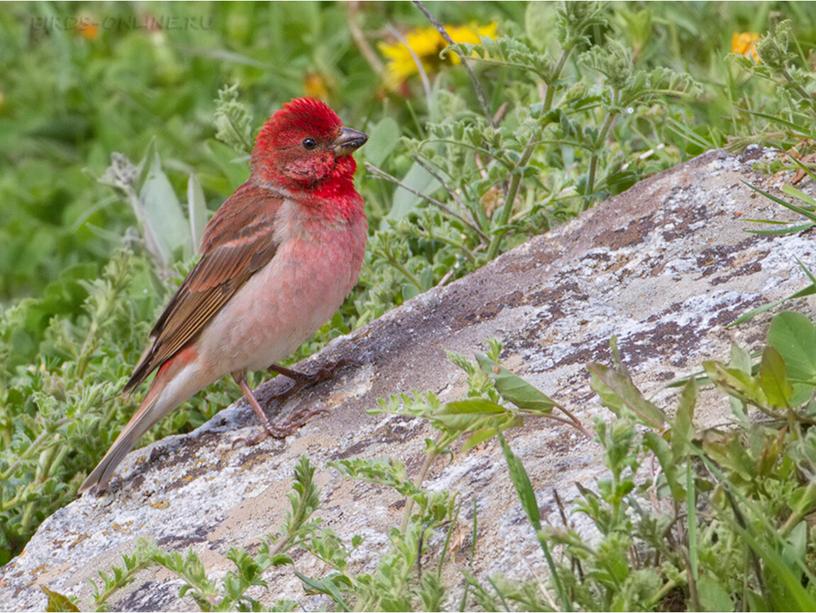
(582, 102)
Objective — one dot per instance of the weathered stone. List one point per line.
(664, 266)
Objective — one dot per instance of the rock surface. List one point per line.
(664, 266)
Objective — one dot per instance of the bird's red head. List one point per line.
(303, 146)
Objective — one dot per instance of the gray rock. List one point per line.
(664, 266)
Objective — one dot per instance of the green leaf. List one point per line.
(735, 382)
(474, 413)
(472, 406)
(663, 452)
(790, 190)
(740, 359)
(325, 586)
(773, 379)
(526, 493)
(713, 596)
(233, 122)
(405, 201)
(234, 167)
(794, 337)
(478, 437)
(784, 231)
(795, 549)
(382, 140)
(616, 390)
(57, 601)
(163, 212)
(791, 593)
(788, 205)
(803, 499)
(521, 481)
(682, 430)
(196, 210)
(281, 559)
(515, 389)
(808, 290)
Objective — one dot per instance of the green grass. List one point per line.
(576, 103)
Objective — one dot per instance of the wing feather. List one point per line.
(239, 240)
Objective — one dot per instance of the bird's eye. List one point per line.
(309, 143)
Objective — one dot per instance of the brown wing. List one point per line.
(238, 241)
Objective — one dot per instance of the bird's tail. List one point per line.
(171, 386)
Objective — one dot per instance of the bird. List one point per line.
(276, 260)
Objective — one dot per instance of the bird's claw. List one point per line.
(268, 431)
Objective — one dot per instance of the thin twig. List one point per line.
(384, 175)
(501, 112)
(548, 95)
(430, 456)
(593, 162)
(360, 40)
(445, 278)
(576, 423)
(436, 175)
(465, 61)
(574, 561)
(566, 422)
(426, 83)
(507, 207)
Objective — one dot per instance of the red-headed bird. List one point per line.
(277, 260)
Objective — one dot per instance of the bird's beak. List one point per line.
(348, 141)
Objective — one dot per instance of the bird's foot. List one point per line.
(299, 381)
(268, 431)
(268, 428)
(302, 379)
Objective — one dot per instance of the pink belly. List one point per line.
(283, 304)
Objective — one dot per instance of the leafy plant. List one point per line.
(682, 519)
(803, 205)
(230, 594)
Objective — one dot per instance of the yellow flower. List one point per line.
(744, 43)
(314, 86)
(88, 28)
(426, 43)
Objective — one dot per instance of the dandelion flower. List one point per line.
(426, 43)
(744, 43)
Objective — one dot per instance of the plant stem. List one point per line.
(512, 191)
(440, 205)
(593, 162)
(515, 182)
(430, 456)
(548, 97)
(360, 40)
(477, 86)
(407, 273)
(438, 176)
(691, 531)
(662, 593)
(426, 82)
(798, 88)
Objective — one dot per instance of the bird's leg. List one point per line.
(294, 375)
(302, 379)
(268, 428)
